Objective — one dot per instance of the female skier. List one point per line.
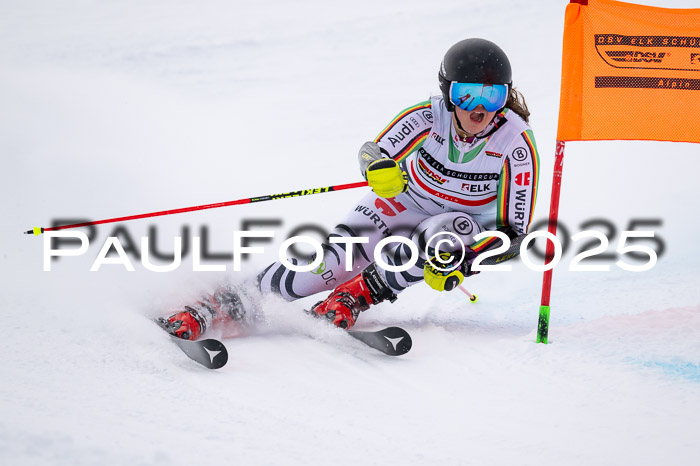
(458, 164)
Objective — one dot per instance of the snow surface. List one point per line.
(118, 108)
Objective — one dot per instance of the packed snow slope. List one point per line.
(119, 108)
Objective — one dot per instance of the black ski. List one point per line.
(393, 341)
(210, 353)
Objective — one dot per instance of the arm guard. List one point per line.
(512, 252)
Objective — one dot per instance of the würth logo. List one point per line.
(522, 179)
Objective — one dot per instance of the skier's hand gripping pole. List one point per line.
(447, 271)
(385, 177)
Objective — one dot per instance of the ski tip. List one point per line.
(210, 353)
(217, 353)
(392, 341)
(402, 341)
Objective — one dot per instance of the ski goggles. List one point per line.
(468, 96)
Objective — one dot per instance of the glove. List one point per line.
(386, 178)
(444, 278)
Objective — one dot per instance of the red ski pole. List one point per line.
(249, 200)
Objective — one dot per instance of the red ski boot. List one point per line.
(188, 325)
(223, 306)
(347, 301)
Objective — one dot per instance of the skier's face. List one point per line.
(475, 121)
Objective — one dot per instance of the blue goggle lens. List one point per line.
(468, 96)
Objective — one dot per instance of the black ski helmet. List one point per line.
(473, 61)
